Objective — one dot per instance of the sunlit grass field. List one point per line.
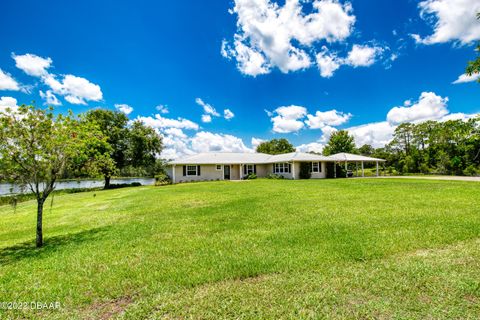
(356, 248)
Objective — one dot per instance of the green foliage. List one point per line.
(340, 141)
(305, 170)
(471, 171)
(162, 179)
(144, 144)
(275, 146)
(434, 147)
(36, 148)
(133, 148)
(124, 185)
(366, 150)
(275, 176)
(251, 176)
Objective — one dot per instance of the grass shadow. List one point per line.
(28, 249)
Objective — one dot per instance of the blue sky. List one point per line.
(290, 69)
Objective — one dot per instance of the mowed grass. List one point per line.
(357, 248)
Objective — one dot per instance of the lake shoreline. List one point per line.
(9, 189)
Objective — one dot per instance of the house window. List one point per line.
(191, 170)
(316, 167)
(249, 168)
(219, 167)
(283, 167)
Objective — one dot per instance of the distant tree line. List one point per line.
(450, 147)
(441, 147)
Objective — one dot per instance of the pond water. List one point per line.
(8, 189)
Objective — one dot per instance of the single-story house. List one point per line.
(237, 166)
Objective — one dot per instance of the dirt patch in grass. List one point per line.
(109, 309)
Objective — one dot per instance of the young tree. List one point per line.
(340, 141)
(36, 148)
(275, 146)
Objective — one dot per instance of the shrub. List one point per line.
(162, 179)
(424, 168)
(275, 176)
(251, 176)
(124, 185)
(471, 170)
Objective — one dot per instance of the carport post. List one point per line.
(240, 171)
(173, 174)
(293, 170)
(346, 169)
(363, 172)
(356, 169)
(377, 168)
(334, 169)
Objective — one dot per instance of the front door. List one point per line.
(226, 172)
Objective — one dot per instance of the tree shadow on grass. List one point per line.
(28, 249)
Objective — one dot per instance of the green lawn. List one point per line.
(358, 248)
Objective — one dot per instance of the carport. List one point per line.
(353, 158)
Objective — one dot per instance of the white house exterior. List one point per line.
(236, 166)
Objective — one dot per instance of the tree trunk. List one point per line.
(40, 203)
(107, 182)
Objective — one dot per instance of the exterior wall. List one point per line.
(207, 172)
(285, 175)
(320, 175)
(314, 175)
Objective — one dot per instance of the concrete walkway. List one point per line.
(458, 178)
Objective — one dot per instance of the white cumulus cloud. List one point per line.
(327, 118)
(272, 35)
(76, 90)
(311, 147)
(256, 141)
(207, 108)
(50, 98)
(452, 20)
(287, 119)
(125, 108)
(376, 134)
(162, 108)
(362, 56)
(228, 114)
(32, 65)
(7, 82)
(328, 63)
(206, 118)
(428, 107)
(463, 78)
(177, 144)
(8, 102)
(159, 122)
